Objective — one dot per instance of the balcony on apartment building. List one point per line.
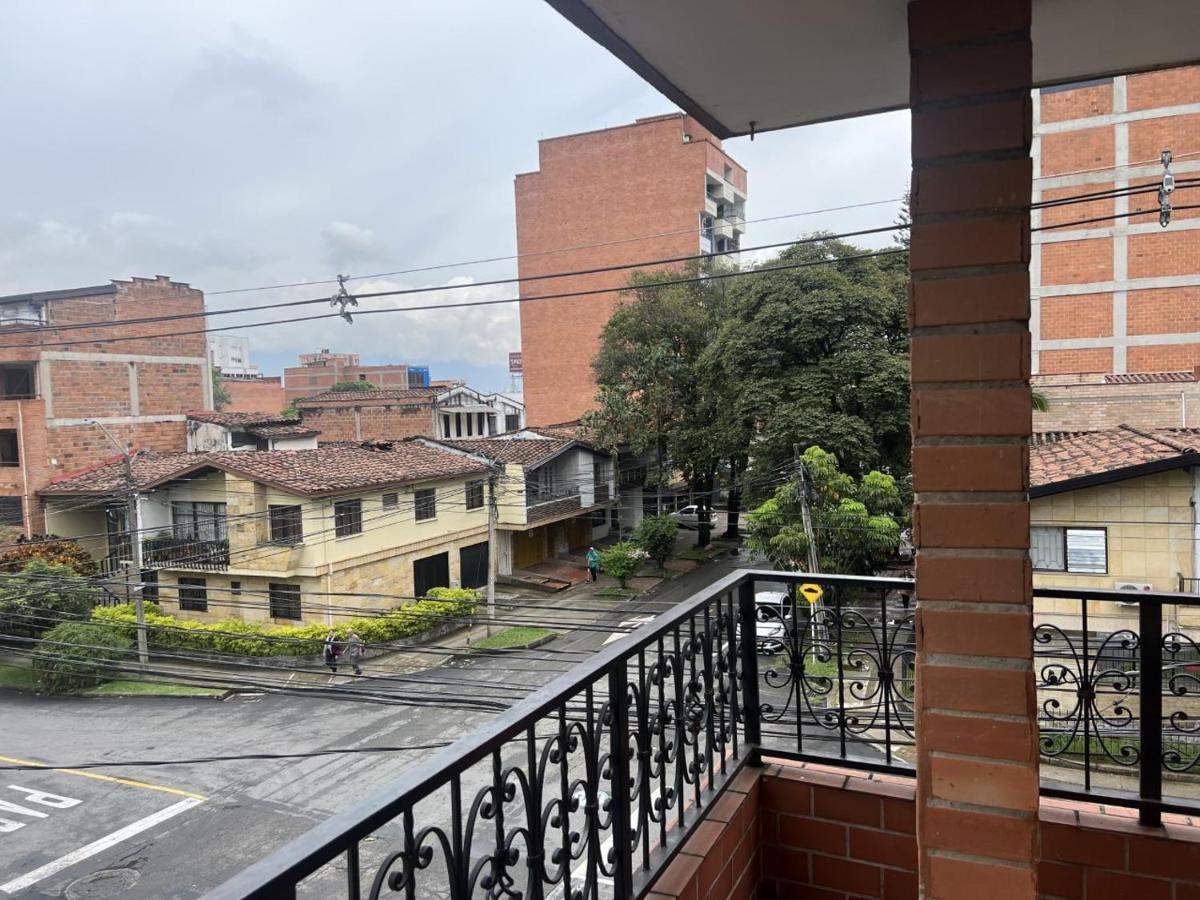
(547, 501)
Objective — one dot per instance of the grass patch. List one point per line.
(17, 678)
(125, 687)
(518, 638)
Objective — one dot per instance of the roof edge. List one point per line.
(1096, 479)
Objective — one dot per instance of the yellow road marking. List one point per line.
(110, 778)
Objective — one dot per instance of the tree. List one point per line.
(40, 596)
(77, 655)
(291, 411)
(856, 523)
(656, 535)
(50, 549)
(818, 355)
(351, 386)
(221, 397)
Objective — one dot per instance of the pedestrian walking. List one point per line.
(331, 652)
(354, 650)
(593, 561)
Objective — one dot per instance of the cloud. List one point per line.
(347, 244)
(248, 71)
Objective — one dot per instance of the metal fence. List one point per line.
(591, 784)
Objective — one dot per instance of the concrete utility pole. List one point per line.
(492, 551)
(814, 564)
(133, 527)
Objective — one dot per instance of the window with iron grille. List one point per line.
(391, 500)
(12, 511)
(284, 600)
(347, 517)
(474, 494)
(198, 521)
(1082, 550)
(193, 594)
(287, 525)
(426, 503)
(10, 448)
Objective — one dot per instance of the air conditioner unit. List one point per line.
(1131, 586)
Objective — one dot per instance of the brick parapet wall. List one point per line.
(362, 422)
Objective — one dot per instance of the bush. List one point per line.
(40, 596)
(51, 549)
(77, 655)
(656, 535)
(622, 560)
(351, 386)
(240, 638)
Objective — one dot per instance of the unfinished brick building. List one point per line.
(55, 378)
(659, 188)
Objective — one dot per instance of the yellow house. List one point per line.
(281, 536)
(1115, 509)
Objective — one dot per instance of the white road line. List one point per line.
(631, 624)
(32, 878)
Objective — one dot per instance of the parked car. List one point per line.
(773, 617)
(689, 517)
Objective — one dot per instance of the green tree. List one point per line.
(351, 386)
(221, 397)
(818, 355)
(291, 411)
(77, 655)
(856, 523)
(656, 535)
(40, 596)
(622, 560)
(50, 549)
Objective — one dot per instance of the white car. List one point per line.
(772, 614)
(689, 517)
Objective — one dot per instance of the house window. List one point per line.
(198, 521)
(12, 511)
(284, 600)
(426, 503)
(150, 585)
(362, 377)
(458, 425)
(235, 589)
(287, 525)
(16, 381)
(1080, 550)
(347, 517)
(193, 594)
(474, 494)
(470, 422)
(599, 518)
(391, 501)
(512, 422)
(446, 426)
(10, 454)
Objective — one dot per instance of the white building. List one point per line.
(231, 354)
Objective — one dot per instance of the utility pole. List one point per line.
(492, 550)
(814, 563)
(134, 530)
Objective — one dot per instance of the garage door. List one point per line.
(473, 565)
(529, 547)
(431, 572)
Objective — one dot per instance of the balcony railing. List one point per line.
(1189, 585)
(168, 552)
(596, 779)
(600, 492)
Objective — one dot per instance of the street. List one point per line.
(175, 830)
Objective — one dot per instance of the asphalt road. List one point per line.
(174, 831)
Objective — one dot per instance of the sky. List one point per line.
(233, 145)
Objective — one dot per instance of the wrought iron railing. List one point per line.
(1189, 585)
(168, 552)
(595, 780)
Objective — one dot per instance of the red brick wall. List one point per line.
(1170, 87)
(1077, 262)
(1059, 362)
(259, 395)
(305, 381)
(610, 185)
(1081, 315)
(389, 422)
(1059, 106)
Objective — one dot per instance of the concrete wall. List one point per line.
(1086, 403)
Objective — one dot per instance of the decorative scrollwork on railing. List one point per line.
(1181, 741)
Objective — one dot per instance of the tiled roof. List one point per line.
(521, 451)
(1149, 377)
(295, 429)
(572, 430)
(239, 419)
(318, 472)
(418, 395)
(1080, 454)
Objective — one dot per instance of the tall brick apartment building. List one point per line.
(663, 180)
(320, 371)
(1118, 297)
(137, 385)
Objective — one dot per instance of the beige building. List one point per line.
(1115, 509)
(280, 536)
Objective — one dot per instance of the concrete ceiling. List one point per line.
(779, 63)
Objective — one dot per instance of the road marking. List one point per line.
(631, 624)
(32, 878)
(110, 778)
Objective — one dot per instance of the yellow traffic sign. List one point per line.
(811, 592)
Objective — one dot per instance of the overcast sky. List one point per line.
(237, 144)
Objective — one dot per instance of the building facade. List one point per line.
(659, 188)
(320, 371)
(390, 414)
(231, 354)
(1118, 296)
(59, 383)
(255, 394)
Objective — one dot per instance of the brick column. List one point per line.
(972, 176)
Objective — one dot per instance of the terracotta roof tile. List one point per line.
(239, 419)
(317, 472)
(522, 451)
(1056, 457)
(295, 429)
(350, 398)
(1149, 377)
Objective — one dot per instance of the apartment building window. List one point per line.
(10, 454)
(193, 594)
(391, 500)
(446, 427)
(284, 600)
(16, 381)
(512, 422)
(12, 511)
(474, 494)
(198, 521)
(150, 585)
(1081, 550)
(287, 525)
(426, 503)
(347, 518)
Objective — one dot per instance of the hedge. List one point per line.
(77, 655)
(241, 638)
